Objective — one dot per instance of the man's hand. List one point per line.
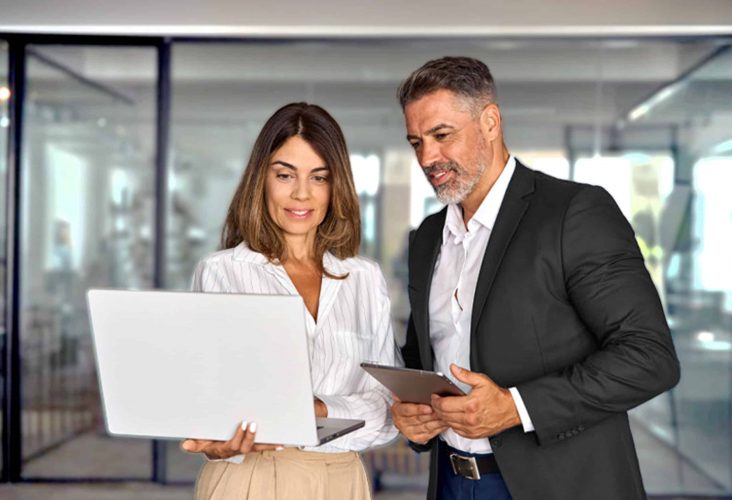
(240, 444)
(486, 411)
(416, 422)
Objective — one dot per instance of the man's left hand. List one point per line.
(486, 411)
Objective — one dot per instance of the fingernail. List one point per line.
(279, 448)
(253, 427)
(244, 426)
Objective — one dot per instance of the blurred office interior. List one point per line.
(119, 155)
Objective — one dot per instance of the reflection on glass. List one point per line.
(568, 109)
(87, 216)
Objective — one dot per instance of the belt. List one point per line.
(470, 467)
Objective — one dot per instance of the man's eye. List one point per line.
(440, 137)
(414, 145)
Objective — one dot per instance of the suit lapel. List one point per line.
(425, 250)
(513, 207)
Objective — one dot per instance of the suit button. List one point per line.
(581, 428)
(496, 442)
(560, 435)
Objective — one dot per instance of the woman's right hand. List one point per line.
(241, 444)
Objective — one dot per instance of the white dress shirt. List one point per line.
(452, 291)
(353, 326)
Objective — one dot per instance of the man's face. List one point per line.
(448, 142)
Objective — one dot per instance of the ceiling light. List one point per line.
(722, 147)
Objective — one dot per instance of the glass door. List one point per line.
(87, 221)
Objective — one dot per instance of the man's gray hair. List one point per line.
(466, 77)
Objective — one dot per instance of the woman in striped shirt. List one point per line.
(293, 227)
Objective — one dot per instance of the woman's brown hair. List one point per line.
(248, 219)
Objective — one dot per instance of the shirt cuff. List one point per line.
(526, 422)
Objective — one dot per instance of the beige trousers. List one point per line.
(290, 474)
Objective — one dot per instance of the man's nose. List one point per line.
(429, 154)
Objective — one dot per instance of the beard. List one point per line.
(460, 186)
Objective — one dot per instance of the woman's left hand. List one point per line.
(240, 444)
(321, 410)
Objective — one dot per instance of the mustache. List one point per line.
(449, 166)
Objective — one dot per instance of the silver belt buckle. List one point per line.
(466, 467)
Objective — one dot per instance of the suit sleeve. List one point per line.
(410, 350)
(410, 353)
(612, 293)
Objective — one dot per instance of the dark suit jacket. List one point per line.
(564, 310)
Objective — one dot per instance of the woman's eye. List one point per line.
(284, 177)
(320, 179)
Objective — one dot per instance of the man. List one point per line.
(531, 292)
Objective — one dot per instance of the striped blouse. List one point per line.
(353, 326)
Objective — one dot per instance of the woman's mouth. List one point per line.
(298, 214)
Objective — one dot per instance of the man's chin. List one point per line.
(450, 198)
(451, 195)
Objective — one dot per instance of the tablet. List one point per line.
(413, 386)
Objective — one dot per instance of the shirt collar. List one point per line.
(487, 211)
(243, 253)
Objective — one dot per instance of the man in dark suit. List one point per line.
(532, 294)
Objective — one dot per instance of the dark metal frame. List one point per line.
(11, 378)
(159, 455)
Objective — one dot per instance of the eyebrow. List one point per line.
(293, 167)
(432, 130)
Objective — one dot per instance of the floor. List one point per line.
(665, 473)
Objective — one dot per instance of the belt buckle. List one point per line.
(466, 467)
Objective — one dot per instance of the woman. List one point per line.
(293, 227)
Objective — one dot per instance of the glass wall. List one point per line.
(87, 221)
(593, 111)
(4, 124)
(694, 228)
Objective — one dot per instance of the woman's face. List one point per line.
(297, 189)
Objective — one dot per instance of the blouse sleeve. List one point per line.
(370, 401)
(209, 276)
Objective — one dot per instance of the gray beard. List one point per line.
(460, 187)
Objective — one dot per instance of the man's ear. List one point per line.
(490, 122)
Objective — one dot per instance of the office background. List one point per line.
(122, 138)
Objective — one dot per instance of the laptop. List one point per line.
(175, 365)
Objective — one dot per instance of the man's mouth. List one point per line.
(438, 175)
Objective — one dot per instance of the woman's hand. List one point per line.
(241, 444)
(321, 410)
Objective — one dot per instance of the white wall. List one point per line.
(368, 18)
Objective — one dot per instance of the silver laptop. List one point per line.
(195, 365)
